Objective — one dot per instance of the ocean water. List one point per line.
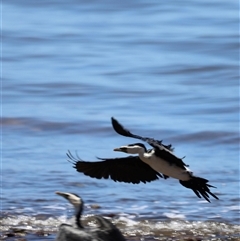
(167, 70)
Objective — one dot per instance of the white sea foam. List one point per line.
(174, 215)
(128, 225)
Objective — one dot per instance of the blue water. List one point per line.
(168, 70)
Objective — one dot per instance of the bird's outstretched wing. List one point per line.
(128, 169)
(200, 187)
(161, 150)
(124, 132)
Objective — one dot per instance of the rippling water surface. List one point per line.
(167, 70)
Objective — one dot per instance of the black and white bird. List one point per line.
(162, 159)
(105, 231)
(148, 166)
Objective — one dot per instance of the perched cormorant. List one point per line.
(105, 231)
(148, 166)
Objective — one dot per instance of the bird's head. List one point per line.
(132, 148)
(74, 199)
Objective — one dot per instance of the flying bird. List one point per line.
(162, 159)
(105, 231)
(147, 166)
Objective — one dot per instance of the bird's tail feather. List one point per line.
(200, 187)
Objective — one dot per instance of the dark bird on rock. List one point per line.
(105, 231)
